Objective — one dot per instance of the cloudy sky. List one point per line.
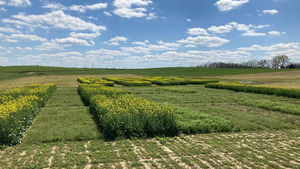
(146, 33)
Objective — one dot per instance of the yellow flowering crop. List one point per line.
(123, 115)
(93, 80)
(18, 107)
(163, 81)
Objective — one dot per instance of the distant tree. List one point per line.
(281, 61)
(291, 66)
(263, 64)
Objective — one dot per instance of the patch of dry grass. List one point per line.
(287, 78)
(59, 80)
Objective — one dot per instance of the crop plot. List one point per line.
(145, 81)
(18, 108)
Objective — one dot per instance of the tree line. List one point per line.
(278, 62)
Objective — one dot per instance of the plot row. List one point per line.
(138, 81)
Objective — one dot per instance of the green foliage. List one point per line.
(128, 116)
(176, 90)
(86, 91)
(274, 106)
(18, 108)
(161, 81)
(201, 81)
(270, 90)
(125, 116)
(192, 122)
(92, 80)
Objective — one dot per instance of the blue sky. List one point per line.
(146, 33)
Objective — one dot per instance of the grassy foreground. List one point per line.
(240, 150)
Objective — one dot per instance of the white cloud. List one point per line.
(3, 60)
(23, 49)
(140, 43)
(227, 5)
(107, 52)
(220, 29)
(2, 9)
(260, 26)
(116, 40)
(274, 33)
(205, 56)
(78, 8)
(247, 29)
(125, 9)
(57, 19)
(28, 48)
(49, 46)
(95, 57)
(19, 3)
(34, 59)
(152, 47)
(92, 17)
(190, 46)
(253, 33)
(219, 54)
(17, 37)
(280, 46)
(291, 53)
(271, 12)
(204, 41)
(96, 6)
(151, 16)
(18, 23)
(2, 2)
(107, 13)
(112, 43)
(72, 41)
(85, 35)
(9, 30)
(189, 20)
(197, 31)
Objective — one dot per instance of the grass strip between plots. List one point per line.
(274, 106)
(64, 118)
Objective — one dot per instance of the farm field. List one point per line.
(64, 134)
(287, 78)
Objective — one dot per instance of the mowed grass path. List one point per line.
(64, 118)
(224, 104)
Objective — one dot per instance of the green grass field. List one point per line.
(64, 134)
(172, 71)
